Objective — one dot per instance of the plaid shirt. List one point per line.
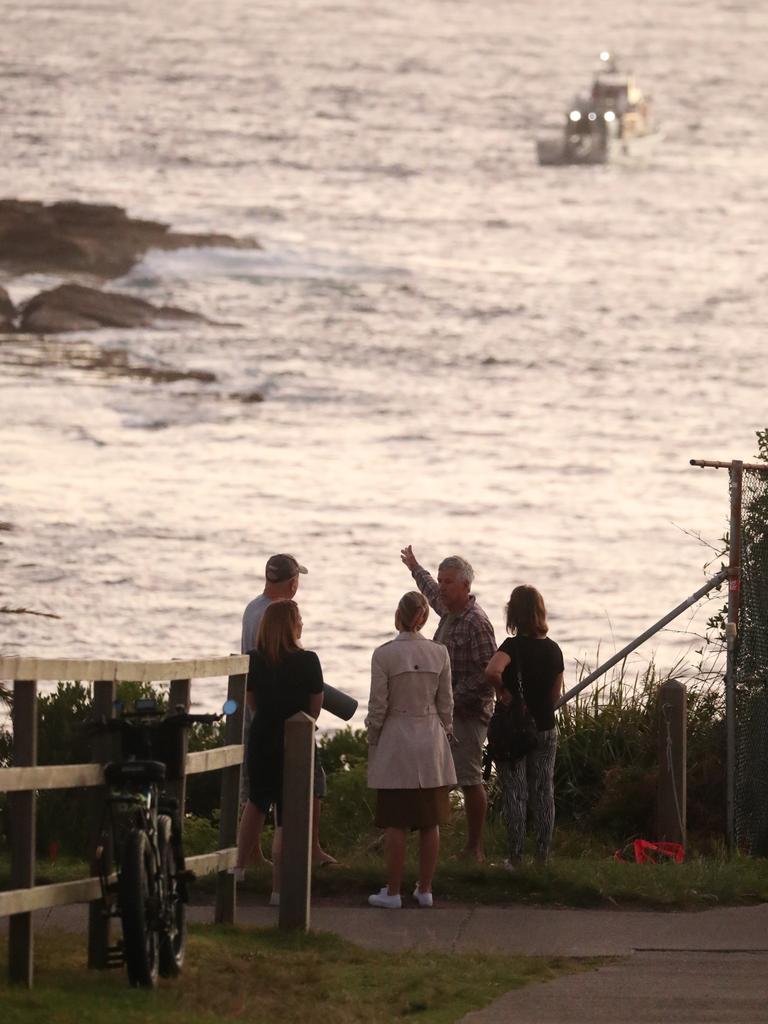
(468, 635)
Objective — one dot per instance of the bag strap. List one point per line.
(519, 673)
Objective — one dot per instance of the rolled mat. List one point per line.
(338, 703)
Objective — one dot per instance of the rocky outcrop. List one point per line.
(86, 238)
(74, 307)
(7, 311)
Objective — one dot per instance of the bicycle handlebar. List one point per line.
(138, 719)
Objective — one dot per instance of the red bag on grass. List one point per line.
(646, 852)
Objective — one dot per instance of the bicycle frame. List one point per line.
(140, 823)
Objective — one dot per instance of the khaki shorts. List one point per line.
(467, 749)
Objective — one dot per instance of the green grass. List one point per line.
(581, 873)
(593, 881)
(265, 975)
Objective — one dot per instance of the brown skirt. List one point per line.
(412, 808)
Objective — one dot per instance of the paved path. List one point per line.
(679, 967)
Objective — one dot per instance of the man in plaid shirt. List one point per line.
(466, 631)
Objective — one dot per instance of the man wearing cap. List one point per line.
(281, 581)
(281, 575)
(466, 631)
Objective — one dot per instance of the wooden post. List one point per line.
(176, 784)
(296, 862)
(671, 796)
(99, 930)
(22, 825)
(736, 474)
(226, 887)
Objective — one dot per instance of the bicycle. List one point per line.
(150, 893)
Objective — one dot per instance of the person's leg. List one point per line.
(277, 849)
(541, 787)
(475, 807)
(319, 855)
(467, 748)
(429, 848)
(394, 853)
(514, 803)
(249, 835)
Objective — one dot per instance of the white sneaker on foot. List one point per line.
(383, 899)
(424, 899)
(274, 899)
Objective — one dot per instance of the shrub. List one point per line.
(607, 765)
(347, 819)
(343, 749)
(64, 817)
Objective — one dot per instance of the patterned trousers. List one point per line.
(530, 782)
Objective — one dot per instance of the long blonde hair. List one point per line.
(279, 631)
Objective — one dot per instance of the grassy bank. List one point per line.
(605, 785)
(591, 881)
(589, 878)
(264, 975)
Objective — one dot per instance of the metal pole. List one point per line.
(736, 474)
(716, 580)
(756, 467)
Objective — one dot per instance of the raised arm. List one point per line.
(424, 580)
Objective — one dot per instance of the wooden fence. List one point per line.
(25, 778)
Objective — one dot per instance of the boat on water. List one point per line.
(612, 123)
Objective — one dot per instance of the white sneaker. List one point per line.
(424, 899)
(383, 899)
(274, 899)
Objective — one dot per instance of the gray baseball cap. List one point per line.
(282, 567)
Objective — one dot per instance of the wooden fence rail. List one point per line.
(25, 778)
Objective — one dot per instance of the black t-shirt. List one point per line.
(281, 691)
(541, 662)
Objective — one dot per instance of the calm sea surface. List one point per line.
(458, 349)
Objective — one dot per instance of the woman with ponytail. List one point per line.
(410, 721)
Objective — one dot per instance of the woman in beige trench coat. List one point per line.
(410, 720)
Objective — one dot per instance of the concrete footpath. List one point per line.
(682, 967)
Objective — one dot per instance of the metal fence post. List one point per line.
(736, 474)
(22, 823)
(226, 887)
(296, 861)
(671, 797)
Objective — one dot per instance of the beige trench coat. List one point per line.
(410, 714)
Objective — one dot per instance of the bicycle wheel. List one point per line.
(173, 931)
(136, 891)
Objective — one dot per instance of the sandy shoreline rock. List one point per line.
(88, 238)
(7, 311)
(75, 307)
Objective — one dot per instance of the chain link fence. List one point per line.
(751, 784)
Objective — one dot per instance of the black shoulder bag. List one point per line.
(512, 731)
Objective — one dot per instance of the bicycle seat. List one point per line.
(134, 771)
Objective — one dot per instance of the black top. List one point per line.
(541, 662)
(281, 691)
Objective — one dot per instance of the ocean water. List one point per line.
(457, 348)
